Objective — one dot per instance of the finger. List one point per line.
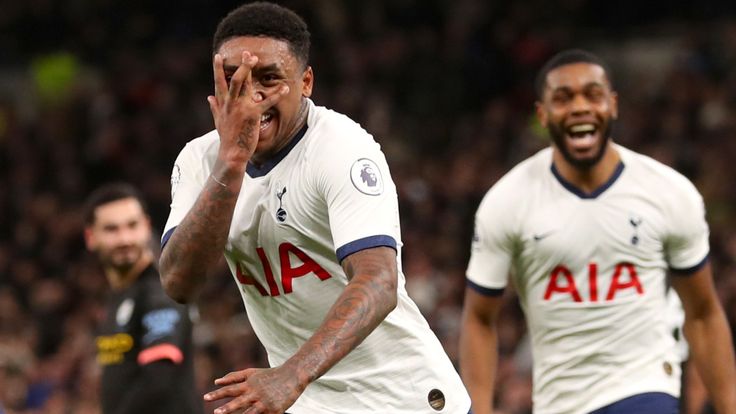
(272, 99)
(241, 81)
(233, 377)
(237, 404)
(251, 61)
(220, 82)
(229, 391)
(214, 108)
(253, 410)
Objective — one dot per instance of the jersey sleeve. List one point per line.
(686, 245)
(165, 327)
(360, 194)
(188, 177)
(492, 246)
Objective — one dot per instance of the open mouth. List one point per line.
(581, 130)
(582, 136)
(266, 119)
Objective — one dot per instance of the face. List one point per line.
(578, 108)
(276, 66)
(120, 234)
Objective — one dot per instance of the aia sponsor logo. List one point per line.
(288, 272)
(562, 282)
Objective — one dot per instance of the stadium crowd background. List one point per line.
(94, 91)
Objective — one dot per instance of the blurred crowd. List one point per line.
(96, 91)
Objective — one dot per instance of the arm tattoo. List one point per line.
(245, 133)
(199, 240)
(365, 303)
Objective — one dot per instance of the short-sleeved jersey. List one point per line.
(590, 271)
(328, 194)
(143, 325)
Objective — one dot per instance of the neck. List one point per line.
(588, 179)
(301, 119)
(122, 278)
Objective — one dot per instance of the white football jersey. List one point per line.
(590, 271)
(328, 194)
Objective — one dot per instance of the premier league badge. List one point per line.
(366, 177)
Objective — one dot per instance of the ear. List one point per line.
(614, 105)
(307, 82)
(89, 239)
(541, 113)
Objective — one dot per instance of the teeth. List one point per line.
(265, 117)
(582, 128)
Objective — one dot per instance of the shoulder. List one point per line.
(510, 190)
(331, 131)
(657, 176)
(201, 146)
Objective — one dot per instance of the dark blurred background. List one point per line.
(95, 91)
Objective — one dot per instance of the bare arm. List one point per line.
(709, 337)
(200, 238)
(479, 348)
(366, 301)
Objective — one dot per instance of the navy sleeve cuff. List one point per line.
(484, 290)
(166, 237)
(364, 243)
(690, 270)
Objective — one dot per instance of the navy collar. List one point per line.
(255, 171)
(595, 193)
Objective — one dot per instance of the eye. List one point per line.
(269, 79)
(560, 97)
(595, 95)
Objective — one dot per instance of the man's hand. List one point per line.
(237, 109)
(257, 391)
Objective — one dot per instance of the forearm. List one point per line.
(362, 306)
(712, 351)
(478, 361)
(200, 238)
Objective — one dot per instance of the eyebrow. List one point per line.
(568, 88)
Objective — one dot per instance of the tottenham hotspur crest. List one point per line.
(366, 177)
(281, 213)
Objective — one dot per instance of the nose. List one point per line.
(580, 104)
(126, 236)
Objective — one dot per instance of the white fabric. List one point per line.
(593, 343)
(339, 194)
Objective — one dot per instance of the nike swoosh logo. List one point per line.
(538, 237)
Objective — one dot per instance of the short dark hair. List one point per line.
(567, 57)
(266, 20)
(107, 194)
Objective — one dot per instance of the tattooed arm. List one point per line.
(200, 238)
(366, 301)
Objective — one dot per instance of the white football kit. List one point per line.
(590, 271)
(328, 194)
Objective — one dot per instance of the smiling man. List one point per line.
(588, 232)
(145, 344)
(301, 202)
